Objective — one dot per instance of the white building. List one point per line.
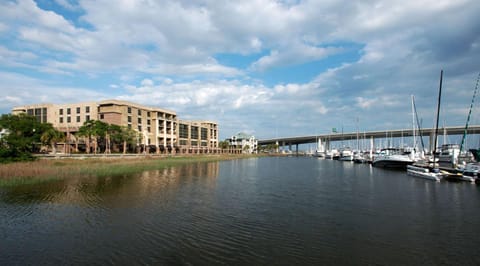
(247, 143)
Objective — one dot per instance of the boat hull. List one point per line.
(424, 173)
(394, 164)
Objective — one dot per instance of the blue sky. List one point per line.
(268, 68)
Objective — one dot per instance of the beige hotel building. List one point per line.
(158, 127)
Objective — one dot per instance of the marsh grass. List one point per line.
(47, 170)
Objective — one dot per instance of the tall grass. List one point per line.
(45, 170)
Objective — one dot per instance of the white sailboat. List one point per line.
(320, 151)
(430, 171)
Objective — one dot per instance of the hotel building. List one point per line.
(157, 127)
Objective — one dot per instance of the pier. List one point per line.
(326, 139)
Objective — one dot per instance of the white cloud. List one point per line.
(294, 54)
(167, 50)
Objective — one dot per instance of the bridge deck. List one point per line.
(375, 134)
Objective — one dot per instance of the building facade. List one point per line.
(197, 136)
(157, 127)
(247, 143)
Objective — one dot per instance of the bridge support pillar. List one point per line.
(296, 149)
(431, 141)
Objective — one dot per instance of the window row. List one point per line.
(77, 119)
(78, 109)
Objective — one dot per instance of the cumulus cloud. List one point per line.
(295, 54)
(164, 53)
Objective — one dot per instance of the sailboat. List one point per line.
(320, 151)
(431, 172)
(470, 171)
(394, 157)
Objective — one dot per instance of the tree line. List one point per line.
(23, 135)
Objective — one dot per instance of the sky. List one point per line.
(268, 68)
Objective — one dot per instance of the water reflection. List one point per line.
(288, 211)
(94, 190)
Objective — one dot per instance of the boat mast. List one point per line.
(413, 125)
(438, 116)
(469, 114)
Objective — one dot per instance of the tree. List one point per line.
(93, 130)
(223, 144)
(87, 130)
(51, 136)
(126, 136)
(23, 132)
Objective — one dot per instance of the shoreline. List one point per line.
(47, 169)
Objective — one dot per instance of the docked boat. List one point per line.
(425, 172)
(471, 171)
(359, 157)
(448, 155)
(392, 158)
(320, 151)
(332, 154)
(346, 155)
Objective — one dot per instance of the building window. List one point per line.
(194, 133)
(68, 111)
(102, 116)
(44, 115)
(139, 112)
(129, 110)
(140, 128)
(129, 119)
(87, 118)
(38, 114)
(61, 119)
(148, 129)
(78, 110)
(139, 120)
(69, 119)
(78, 119)
(87, 109)
(60, 111)
(148, 121)
(204, 133)
(129, 126)
(183, 131)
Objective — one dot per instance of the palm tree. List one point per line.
(92, 129)
(51, 136)
(126, 135)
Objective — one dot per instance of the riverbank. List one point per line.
(45, 170)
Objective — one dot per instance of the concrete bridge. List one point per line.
(328, 138)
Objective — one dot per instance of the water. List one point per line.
(260, 211)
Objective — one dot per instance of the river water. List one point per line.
(259, 211)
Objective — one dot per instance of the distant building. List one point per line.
(247, 143)
(157, 127)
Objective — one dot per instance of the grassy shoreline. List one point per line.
(46, 170)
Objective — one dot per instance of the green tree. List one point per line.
(87, 131)
(224, 144)
(51, 136)
(126, 136)
(93, 130)
(22, 133)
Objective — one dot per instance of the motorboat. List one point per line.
(346, 155)
(392, 158)
(448, 155)
(425, 172)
